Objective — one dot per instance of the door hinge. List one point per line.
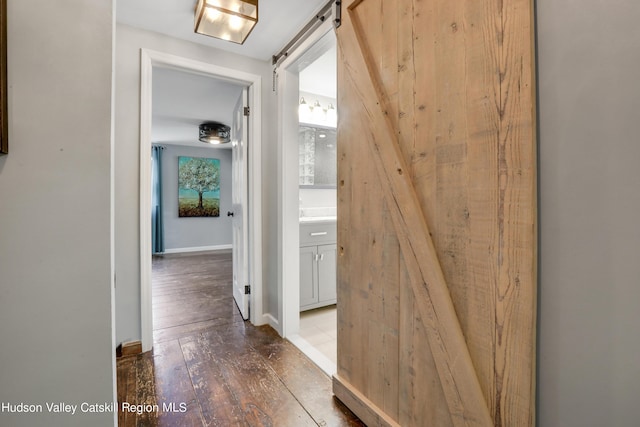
(247, 111)
(247, 289)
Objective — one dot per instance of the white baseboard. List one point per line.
(271, 321)
(197, 249)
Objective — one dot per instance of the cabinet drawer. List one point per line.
(317, 233)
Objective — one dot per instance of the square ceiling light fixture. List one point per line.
(230, 20)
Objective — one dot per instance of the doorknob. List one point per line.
(229, 213)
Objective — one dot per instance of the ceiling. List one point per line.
(320, 77)
(278, 22)
(181, 101)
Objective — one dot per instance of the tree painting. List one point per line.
(198, 187)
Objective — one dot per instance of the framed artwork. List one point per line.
(4, 133)
(198, 187)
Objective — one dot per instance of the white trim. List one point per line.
(268, 319)
(197, 249)
(318, 34)
(288, 218)
(149, 59)
(146, 89)
(316, 356)
(288, 190)
(112, 212)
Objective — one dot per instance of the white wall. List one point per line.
(318, 198)
(129, 41)
(188, 233)
(589, 103)
(55, 210)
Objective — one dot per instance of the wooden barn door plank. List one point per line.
(460, 384)
(453, 98)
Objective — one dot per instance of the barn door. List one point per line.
(436, 218)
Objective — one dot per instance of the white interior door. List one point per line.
(239, 205)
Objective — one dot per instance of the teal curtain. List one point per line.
(157, 223)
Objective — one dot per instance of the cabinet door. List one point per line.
(327, 273)
(308, 276)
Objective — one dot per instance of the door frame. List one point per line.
(288, 187)
(148, 60)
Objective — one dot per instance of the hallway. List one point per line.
(213, 368)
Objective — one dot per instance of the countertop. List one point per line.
(316, 219)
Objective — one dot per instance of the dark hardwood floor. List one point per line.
(213, 368)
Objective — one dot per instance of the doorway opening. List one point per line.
(308, 106)
(154, 65)
(196, 190)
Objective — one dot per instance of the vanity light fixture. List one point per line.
(332, 115)
(215, 133)
(317, 114)
(304, 111)
(230, 20)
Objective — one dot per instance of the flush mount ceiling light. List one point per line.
(215, 133)
(230, 20)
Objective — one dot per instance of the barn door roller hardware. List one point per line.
(325, 13)
(337, 20)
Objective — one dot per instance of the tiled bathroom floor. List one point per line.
(319, 328)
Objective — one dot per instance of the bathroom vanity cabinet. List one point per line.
(317, 264)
